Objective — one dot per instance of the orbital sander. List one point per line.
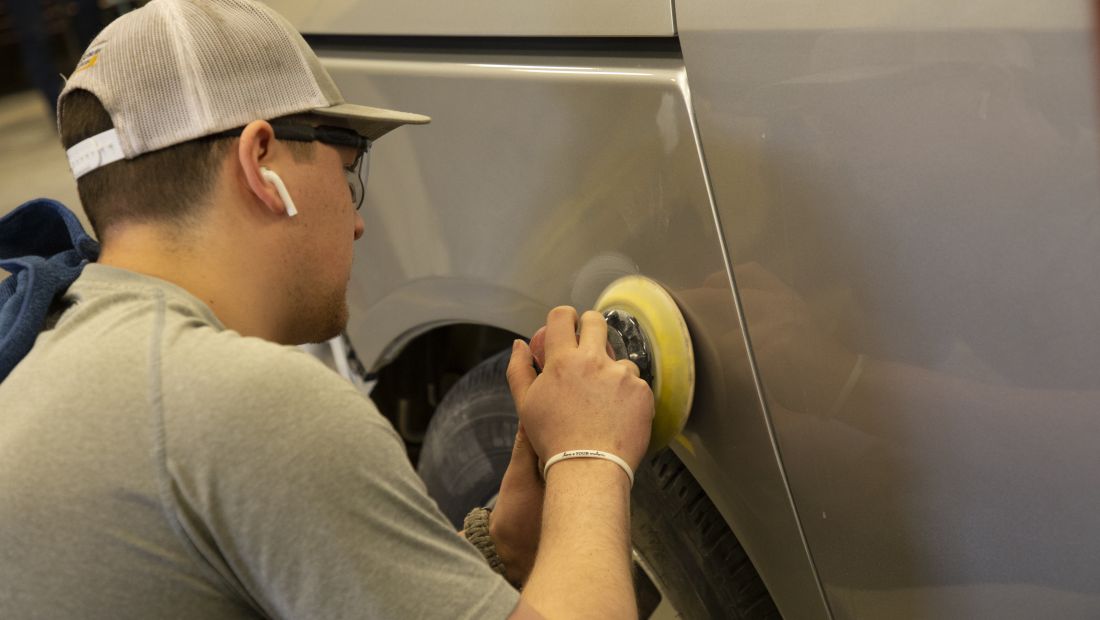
(645, 326)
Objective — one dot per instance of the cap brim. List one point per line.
(372, 123)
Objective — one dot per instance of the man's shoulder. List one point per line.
(117, 317)
(197, 349)
(224, 383)
(224, 369)
(248, 413)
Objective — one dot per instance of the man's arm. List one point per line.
(582, 400)
(583, 565)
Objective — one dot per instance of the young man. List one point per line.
(164, 454)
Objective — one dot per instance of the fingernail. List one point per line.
(515, 344)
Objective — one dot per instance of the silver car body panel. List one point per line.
(906, 195)
(910, 197)
(539, 181)
(539, 18)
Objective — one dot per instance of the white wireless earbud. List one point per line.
(270, 176)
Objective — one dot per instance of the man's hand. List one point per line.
(517, 517)
(583, 399)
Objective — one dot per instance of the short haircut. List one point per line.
(166, 186)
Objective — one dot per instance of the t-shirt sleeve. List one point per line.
(299, 495)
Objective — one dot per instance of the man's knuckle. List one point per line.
(591, 315)
(562, 310)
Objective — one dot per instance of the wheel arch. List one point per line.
(381, 329)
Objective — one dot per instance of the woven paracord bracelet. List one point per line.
(476, 526)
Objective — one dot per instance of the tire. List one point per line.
(469, 440)
(684, 551)
(688, 550)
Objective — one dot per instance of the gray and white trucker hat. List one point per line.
(176, 70)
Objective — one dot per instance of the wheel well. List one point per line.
(409, 387)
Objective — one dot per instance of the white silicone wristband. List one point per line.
(589, 454)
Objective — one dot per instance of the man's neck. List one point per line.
(219, 275)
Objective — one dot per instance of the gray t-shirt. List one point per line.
(154, 464)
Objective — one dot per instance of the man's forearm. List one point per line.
(583, 563)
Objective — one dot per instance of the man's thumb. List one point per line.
(523, 453)
(521, 374)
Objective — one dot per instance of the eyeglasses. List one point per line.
(355, 172)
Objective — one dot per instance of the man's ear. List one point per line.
(255, 151)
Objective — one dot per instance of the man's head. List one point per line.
(208, 123)
(167, 186)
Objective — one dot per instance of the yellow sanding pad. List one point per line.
(673, 360)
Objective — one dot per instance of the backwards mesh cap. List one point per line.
(176, 70)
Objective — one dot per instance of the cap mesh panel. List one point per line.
(176, 70)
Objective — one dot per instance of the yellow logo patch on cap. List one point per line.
(87, 64)
(88, 60)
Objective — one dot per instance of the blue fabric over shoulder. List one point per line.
(44, 247)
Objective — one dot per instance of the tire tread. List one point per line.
(736, 590)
